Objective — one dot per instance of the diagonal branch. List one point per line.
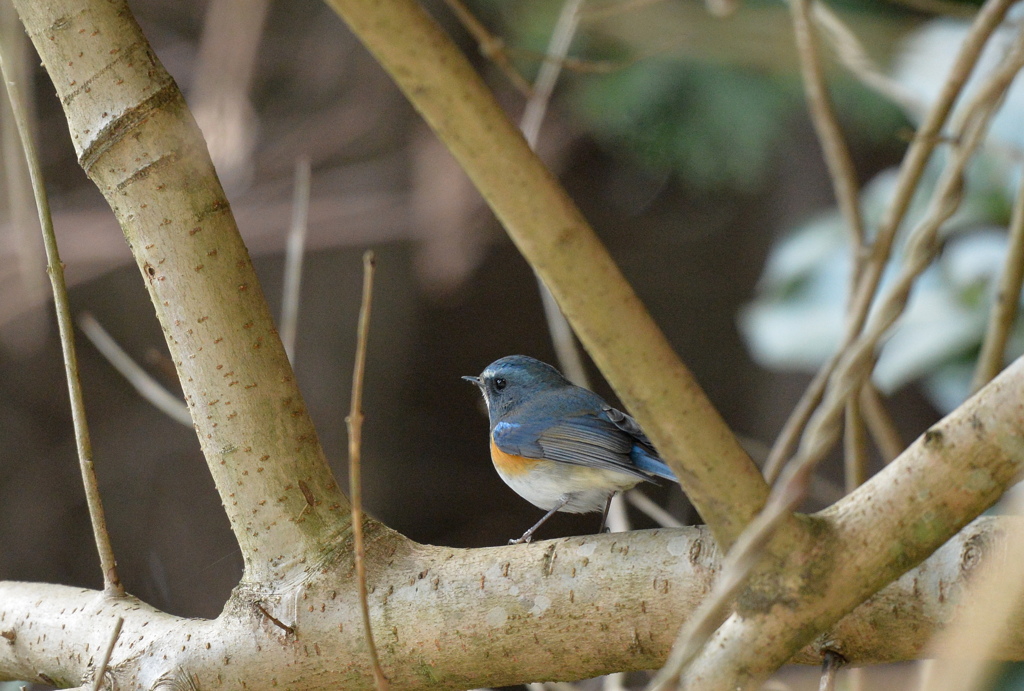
(611, 322)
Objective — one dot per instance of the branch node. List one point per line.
(277, 622)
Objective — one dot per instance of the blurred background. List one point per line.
(684, 138)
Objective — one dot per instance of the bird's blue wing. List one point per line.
(643, 453)
(582, 434)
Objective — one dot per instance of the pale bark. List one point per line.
(450, 618)
(954, 471)
(137, 141)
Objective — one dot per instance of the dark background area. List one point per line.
(452, 294)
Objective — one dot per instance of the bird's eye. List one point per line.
(500, 383)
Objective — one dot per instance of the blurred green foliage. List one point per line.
(712, 125)
(714, 118)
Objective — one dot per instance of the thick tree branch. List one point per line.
(612, 323)
(952, 473)
(470, 618)
(137, 141)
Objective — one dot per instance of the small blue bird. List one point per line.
(560, 446)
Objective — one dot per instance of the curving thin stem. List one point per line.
(489, 45)
(880, 424)
(646, 506)
(855, 447)
(847, 193)
(569, 357)
(146, 386)
(850, 374)
(55, 268)
(737, 565)
(911, 170)
(854, 57)
(826, 125)
(355, 428)
(789, 437)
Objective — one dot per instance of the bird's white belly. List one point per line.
(546, 483)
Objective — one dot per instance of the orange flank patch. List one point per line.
(510, 464)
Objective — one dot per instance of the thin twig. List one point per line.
(489, 45)
(97, 681)
(847, 193)
(22, 220)
(290, 630)
(147, 387)
(850, 374)
(852, 55)
(911, 170)
(857, 361)
(831, 663)
(1005, 302)
(294, 251)
(880, 424)
(111, 583)
(547, 77)
(583, 65)
(569, 357)
(855, 447)
(355, 431)
(741, 559)
(788, 438)
(647, 507)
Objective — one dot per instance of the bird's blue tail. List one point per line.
(651, 464)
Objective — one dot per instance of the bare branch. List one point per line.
(490, 46)
(1006, 300)
(147, 387)
(889, 524)
(355, 438)
(855, 448)
(294, 251)
(105, 660)
(830, 666)
(911, 170)
(880, 424)
(852, 55)
(830, 135)
(55, 268)
(136, 140)
(549, 230)
(569, 357)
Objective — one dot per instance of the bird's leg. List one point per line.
(604, 515)
(528, 535)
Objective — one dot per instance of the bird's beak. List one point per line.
(475, 380)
